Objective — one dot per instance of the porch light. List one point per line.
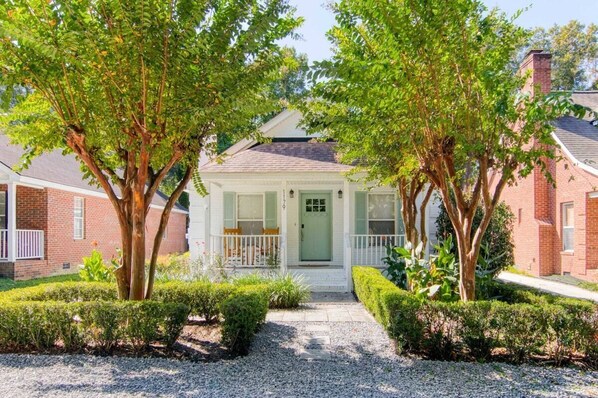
(291, 194)
(340, 193)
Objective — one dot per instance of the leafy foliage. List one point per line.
(135, 88)
(574, 49)
(284, 290)
(497, 242)
(434, 279)
(524, 323)
(95, 270)
(243, 312)
(401, 99)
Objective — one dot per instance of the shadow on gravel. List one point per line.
(274, 369)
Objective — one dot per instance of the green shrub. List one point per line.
(203, 298)
(95, 270)
(101, 325)
(243, 313)
(497, 242)
(526, 322)
(64, 291)
(284, 290)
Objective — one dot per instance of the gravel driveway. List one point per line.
(358, 361)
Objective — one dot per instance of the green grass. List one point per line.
(517, 271)
(9, 284)
(589, 286)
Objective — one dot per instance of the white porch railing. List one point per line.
(370, 249)
(30, 244)
(248, 250)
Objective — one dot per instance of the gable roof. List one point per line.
(281, 157)
(579, 138)
(54, 167)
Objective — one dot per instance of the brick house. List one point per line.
(50, 217)
(556, 229)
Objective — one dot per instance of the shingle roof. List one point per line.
(586, 98)
(281, 157)
(580, 138)
(57, 168)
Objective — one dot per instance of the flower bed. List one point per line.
(519, 325)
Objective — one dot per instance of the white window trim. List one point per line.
(568, 227)
(394, 210)
(75, 217)
(263, 219)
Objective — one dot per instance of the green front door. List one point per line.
(316, 223)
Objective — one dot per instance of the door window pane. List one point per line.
(3, 210)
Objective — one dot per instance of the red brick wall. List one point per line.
(591, 233)
(101, 228)
(537, 205)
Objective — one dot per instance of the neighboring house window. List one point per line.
(568, 226)
(381, 214)
(79, 218)
(250, 214)
(3, 210)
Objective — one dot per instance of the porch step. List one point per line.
(323, 280)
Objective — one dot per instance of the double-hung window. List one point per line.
(250, 213)
(381, 214)
(568, 226)
(79, 218)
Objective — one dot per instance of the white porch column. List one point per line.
(283, 228)
(11, 199)
(346, 233)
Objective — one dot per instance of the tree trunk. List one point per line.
(160, 233)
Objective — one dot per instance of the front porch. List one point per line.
(20, 235)
(318, 229)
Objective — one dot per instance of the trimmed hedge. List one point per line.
(243, 313)
(203, 298)
(73, 315)
(525, 323)
(43, 325)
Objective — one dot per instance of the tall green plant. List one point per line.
(133, 88)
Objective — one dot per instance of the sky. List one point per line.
(544, 13)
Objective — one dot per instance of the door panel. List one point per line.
(316, 227)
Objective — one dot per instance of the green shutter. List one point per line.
(399, 216)
(271, 210)
(229, 210)
(361, 210)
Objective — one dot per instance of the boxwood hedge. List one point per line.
(518, 324)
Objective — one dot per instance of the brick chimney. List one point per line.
(537, 64)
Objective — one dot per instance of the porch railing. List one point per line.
(248, 250)
(370, 249)
(30, 244)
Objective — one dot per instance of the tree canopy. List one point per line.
(427, 87)
(574, 49)
(135, 88)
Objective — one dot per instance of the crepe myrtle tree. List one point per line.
(429, 84)
(134, 88)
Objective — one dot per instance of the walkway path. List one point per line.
(353, 358)
(549, 286)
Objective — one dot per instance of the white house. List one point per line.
(288, 203)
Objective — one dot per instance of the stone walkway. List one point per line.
(325, 308)
(562, 289)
